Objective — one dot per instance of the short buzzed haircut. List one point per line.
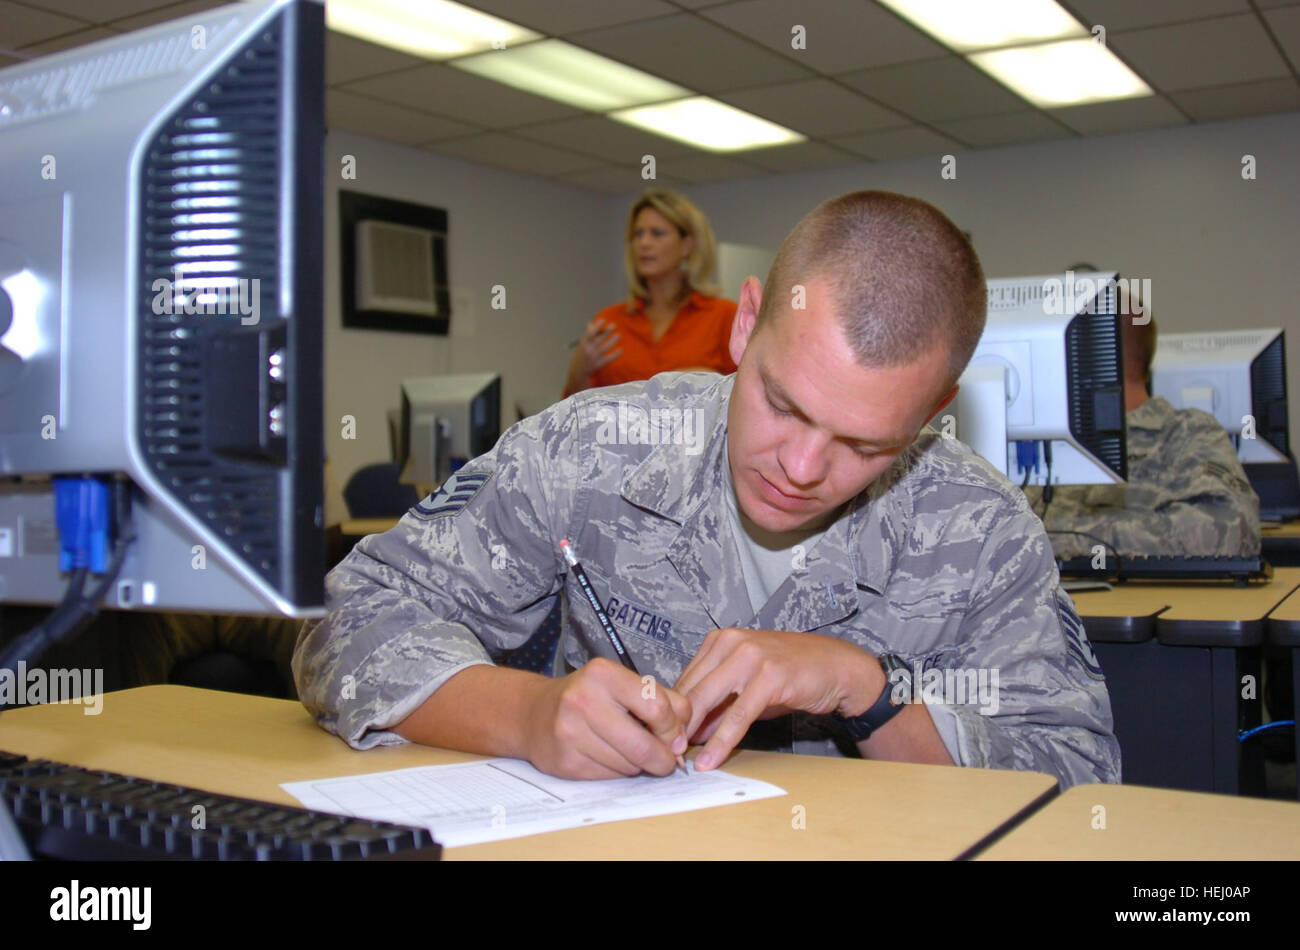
(902, 277)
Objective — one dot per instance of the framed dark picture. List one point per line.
(393, 264)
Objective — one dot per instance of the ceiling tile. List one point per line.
(1117, 15)
(838, 36)
(348, 58)
(1206, 53)
(1123, 115)
(24, 25)
(98, 11)
(616, 180)
(815, 107)
(910, 142)
(1285, 24)
(606, 139)
(547, 16)
(163, 14)
(698, 168)
(70, 41)
(463, 96)
(1011, 129)
(1243, 99)
(800, 157)
(692, 52)
(383, 120)
(516, 154)
(936, 89)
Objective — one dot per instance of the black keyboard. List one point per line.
(66, 812)
(1174, 568)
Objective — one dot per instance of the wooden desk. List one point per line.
(1126, 614)
(1283, 626)
(1176, 696)
(1223, 615)
(360, 527)
(248, 745)
(1281, 545)
(1153, 824)
(1188, 614)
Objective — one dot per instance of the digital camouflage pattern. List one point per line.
(940, 561)
(1186, 493)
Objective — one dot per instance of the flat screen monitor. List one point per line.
(160, 322)
(1239, 377)
(1043, 395)
(446, 421)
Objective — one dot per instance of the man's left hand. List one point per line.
(740, 676)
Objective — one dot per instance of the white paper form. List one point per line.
(507, 798)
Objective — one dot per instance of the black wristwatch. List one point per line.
(884, 708)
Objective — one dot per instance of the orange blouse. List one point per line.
(700, 335)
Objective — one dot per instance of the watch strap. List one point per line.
(880, 712)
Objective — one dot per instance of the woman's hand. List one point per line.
(595, 349)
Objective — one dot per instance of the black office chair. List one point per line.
(375, 492)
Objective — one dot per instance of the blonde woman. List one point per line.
(672, 319)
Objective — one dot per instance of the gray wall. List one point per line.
(554, 247)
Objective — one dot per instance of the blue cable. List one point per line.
(1242, 737)
(1027, 456)
(82, 510)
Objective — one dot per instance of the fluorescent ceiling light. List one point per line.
(1063, 74)
(434, 29)
(559, 70)
(967, 25)
(708, 124)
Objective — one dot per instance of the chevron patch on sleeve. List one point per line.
(453, 495)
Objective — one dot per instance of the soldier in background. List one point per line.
(1186, 492)
(789, 548)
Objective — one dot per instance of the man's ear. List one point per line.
(938, 408)
(742, 328)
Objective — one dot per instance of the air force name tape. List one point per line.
(453, 495)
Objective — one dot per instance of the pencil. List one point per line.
(566, 548)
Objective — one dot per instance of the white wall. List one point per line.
(1167, 204)
(555, 248)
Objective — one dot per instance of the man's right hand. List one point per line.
(604, 721)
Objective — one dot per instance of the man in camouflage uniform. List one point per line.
(766, 543)
(1186, 491)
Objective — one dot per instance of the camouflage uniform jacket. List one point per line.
(939, 561)
(1186, 493)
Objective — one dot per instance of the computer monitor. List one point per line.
(446, 421)
(1043, 395)
(161, 243)
(1239, 377)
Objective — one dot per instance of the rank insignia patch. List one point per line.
(453, 495)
